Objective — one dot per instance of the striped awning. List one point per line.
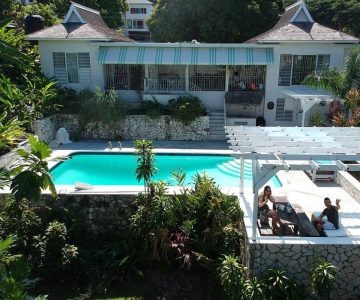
(185, 55)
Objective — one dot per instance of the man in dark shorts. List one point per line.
(331, 212)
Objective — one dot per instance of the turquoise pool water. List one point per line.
(119, 169)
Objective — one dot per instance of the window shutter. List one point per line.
(281, 113)
(285, 69)
(84, 67)
(323, 63)
(60, 67)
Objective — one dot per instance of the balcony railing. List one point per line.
(165, 85)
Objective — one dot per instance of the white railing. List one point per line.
(207, 83)
(165, 85)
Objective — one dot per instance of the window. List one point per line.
(294, 68)
(207, 78)
(285, 69)
(138, 24)
(303, 65)
(72, 67)
(247, 78)
(138, 10)
(322, 63)
(283, 114)
(129, 23)
(124, 77)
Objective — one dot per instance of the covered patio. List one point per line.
(289, 151)
(308, 98)
(185, 67)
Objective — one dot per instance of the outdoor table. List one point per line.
(296, 217)
(287, 216)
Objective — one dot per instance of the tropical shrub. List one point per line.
(12, 48)
(232, 277)
(254, 289)
(153, 109)
(21, 219)
(14, 274)
(33, 174)
(186, 108)
(101, 106)
(323, 279)
(10, 132)
(146, 167)
(28, 102)
(280, 286)
(55, 254)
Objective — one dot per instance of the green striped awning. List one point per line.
(185, 55)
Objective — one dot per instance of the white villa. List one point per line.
(135, 17)
(259, 80)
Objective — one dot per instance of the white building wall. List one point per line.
(274, 91)
(129, 16)
(46, 58)
(213, 100)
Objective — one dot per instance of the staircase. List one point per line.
(217, 123)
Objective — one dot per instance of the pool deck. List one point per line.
(296, 186)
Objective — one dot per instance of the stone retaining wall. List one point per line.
(349, 183)
(102, 213)
(132, 127)
(298, 260)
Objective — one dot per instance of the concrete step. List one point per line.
(217, 137)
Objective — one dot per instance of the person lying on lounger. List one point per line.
(331, 212)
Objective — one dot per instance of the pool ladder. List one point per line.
(110, 147)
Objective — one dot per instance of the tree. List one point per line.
(47, 11)
(211, 20)
(111, 11)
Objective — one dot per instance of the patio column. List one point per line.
(227, 78)
(259, 179)
(187, 78)
(242, 175)
(146, 76)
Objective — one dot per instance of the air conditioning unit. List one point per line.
(240, 121)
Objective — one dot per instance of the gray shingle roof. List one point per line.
(300, 31)
(94, 28)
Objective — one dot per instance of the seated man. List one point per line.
(331, 212)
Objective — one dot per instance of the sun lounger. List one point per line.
(80, 186)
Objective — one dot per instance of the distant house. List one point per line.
(135, 17)
(260, 80)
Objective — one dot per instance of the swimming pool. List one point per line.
(119, 169)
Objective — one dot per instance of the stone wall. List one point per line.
(46, 128)
(132, 127)
(349, 183)
(102, 213)
(298, 260)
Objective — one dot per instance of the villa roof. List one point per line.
(81, 23)
(296, 24)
